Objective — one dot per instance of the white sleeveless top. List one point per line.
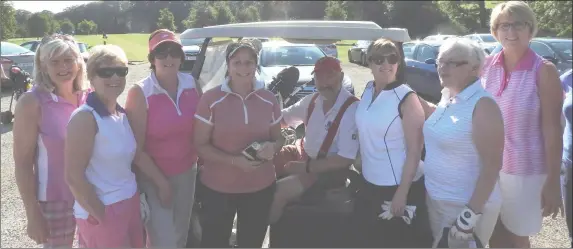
(452, 164)
(381, 137)
(109, 168)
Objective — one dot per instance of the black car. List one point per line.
(556, 50)
(421, 72)
(357, 53)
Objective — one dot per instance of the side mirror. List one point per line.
(551, 58)
(430, 61)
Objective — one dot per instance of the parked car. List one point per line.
(191, 48)
(12, 54)
(278, 55)
(33, 45)
(486, 41)
(329, 49)
(556, 50)
(437, 37)
(262, 39)
(357, 53)
(421, 72)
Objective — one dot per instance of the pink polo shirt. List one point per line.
(169, 135)
(237, 123)
(517, 96)
(55, 113)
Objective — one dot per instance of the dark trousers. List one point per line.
(218, 211)
(373, 232)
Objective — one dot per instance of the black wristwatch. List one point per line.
(308, 165)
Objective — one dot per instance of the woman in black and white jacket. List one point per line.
(389, 119)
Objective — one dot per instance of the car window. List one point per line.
(426, 52)
(363, 44)
(290, 55)
(191, 42)
(82, 47)
(541, 49)
(28, 45)
(13, 49)
(487, 38)
(563, 48)
(409, 50)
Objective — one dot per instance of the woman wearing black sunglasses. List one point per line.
(389, 119)
(99, 151)
(161, 111)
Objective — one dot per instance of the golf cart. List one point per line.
(302, 223)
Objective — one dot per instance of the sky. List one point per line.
(53, 6)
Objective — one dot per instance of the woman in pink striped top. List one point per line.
(528, 92)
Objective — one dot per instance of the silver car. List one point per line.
(12, 54)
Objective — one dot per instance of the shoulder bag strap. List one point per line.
(334, 127)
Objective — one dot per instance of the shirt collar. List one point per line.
(465, 94)
(259, 84)
(94, 102)
(157, 85)
(525, 64)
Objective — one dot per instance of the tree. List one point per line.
(335, 11)
(306, 10)
(7, 20)
(427, 16)
(553, 17)
(201, 15)
(224, 13)
(86, 27)
(39, 25)
(250, 14)
(165, 20)
(67, 26)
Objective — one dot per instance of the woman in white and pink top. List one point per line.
(527, 89)
(161, 110)
(39, 131)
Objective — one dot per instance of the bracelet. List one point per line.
(308, 165)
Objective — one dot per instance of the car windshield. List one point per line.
(563, 48)
(487, 38)
(290, 55)
(13, 49)
(83, 47)
(191, 42)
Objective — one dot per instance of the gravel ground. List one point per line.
(13, 222)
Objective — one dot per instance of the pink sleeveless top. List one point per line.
(516, 94)
(55, 113)
(169, 135)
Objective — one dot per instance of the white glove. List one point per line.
(463, 228)
(387, 214)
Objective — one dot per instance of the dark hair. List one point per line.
(236, 46)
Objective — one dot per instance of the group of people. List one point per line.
(493, 145)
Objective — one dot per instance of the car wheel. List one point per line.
(7, 117)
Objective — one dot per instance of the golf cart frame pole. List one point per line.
(198, 66)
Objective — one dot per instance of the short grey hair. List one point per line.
(461, 47)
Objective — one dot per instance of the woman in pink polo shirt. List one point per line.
(39, 131)
(528, 91)
(229, 118)
(160, 109)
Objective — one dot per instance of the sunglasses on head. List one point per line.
(108, 72)
(379, 59)
(163, 51)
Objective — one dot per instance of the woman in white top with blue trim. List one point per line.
(390, 209)
(99, 151)
(464, 138)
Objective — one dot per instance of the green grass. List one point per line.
(134, 45)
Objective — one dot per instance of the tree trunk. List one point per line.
(483, 14)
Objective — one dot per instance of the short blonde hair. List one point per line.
(382, 46)
(54, 48)
(461, 47)
(516, 9)
(103, 54)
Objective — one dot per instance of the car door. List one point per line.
(423, 77)
(29, 45)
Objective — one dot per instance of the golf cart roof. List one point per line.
(302, 31)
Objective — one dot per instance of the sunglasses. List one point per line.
(108, 72)
(379, 59)
(161, 53)
(516, 26)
